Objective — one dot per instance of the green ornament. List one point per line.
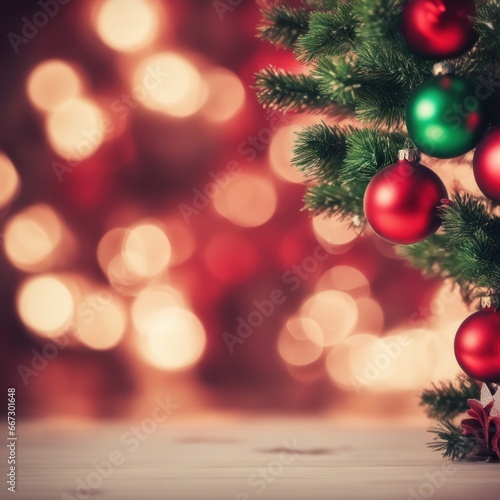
(446, 116)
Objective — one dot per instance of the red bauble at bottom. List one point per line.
(477, 346)
(401, 202)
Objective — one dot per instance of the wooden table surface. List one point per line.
(274, 459)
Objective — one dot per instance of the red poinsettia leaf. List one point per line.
(473, 414)
(476, 406)
(471, 423)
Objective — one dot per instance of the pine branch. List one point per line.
(279, 90)
(368, 151)
(386, 79)
(338, 78)
(473, 236)
(450, 441)
(335, 199)
(467, 250)
(381, 18)
(330, 34)
(282, 25)
(344, 159)
(448, 399)
(428, 255)
(320, 150)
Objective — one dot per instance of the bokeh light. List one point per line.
(174, 339)
(182, 240)
(446, 307)
(281, 154)
(170, 83)
(412, 356)
(146, 250)
(76, 129)
(52, 83)
(295, 345)
(226, 95)
(349, 359)
(45, 305)
(150, 301)
(110, 246)
(401, 361)
(101, 321)
(248, 200)
(10, 183)
(32, 238)
(370, 315)
(335, 312)
(345, 278)
(127, 25)
(447, 367)
(333, 231)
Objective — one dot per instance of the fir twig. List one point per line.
(339, 78)
(320, 150)
(368, 151)
(282, 25)
(335, 199)
(380, 19)
(450, 441)
(329, 34)
(447, 399)
(279, 90)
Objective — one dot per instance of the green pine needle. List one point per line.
(368, 151)
(282, 25)
(320, 150)
(335, 199)
(279, 90)
(330, 34)
(451, 443)
(447, 399)
(338, 78)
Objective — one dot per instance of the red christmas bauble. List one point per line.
(487, 165)
(401, 202)
(439, 29)
(477, 345)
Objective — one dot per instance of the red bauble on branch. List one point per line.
(477, 345)
(401, 202)
(487, 165)
(439, 29)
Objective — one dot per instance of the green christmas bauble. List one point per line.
(446, 117)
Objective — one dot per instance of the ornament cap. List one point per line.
(443, 68)
(490, 301)
(409, 153)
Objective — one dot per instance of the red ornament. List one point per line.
(439, 29)
(477, 345)
(401, 202)
(487, 165)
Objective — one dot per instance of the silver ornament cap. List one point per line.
(443, 68)
(409, 153)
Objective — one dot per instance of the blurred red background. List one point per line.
(153, 238)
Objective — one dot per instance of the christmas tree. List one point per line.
(396, 79)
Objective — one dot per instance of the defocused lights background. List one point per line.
(153, 239)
